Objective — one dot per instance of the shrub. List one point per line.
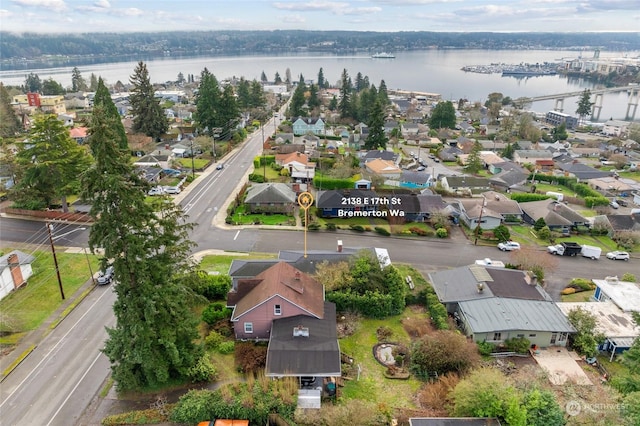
(517, 344)
(250, 357)
(384, 334)
(628, 277)
(442, 233)
(226, 347)
(523, 197)
(330, 226)
(213, 287)
(382, 231)
(486, 348)
(421, 232)
(568, 290)
(213, 339)
(215, 312)
(256, 177)
(445, 351)
(502, 233)
(203, 370)
(313, 226)
(357, 228)
(583, 284)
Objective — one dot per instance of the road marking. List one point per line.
(52, 349)
(236, 236)
(74, 389)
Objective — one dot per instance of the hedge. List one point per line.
(382, 231)
(523, 197)
(372, 304)
(327, 183)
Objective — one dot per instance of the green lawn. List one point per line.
(25, 309)
(583, 296)
(199, 163)
(526, 234)
(240, 217)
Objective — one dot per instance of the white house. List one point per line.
(615, 127)
(15, 270)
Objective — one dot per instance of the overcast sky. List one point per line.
(57, 16)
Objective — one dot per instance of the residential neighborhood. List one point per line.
(353, 328)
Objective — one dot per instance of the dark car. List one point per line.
(105, 277)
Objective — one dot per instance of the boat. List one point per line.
(383, 55)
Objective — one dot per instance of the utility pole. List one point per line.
(264, 160)
(193, 165)
(484, 200)
(55, 259)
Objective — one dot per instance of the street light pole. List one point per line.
(193, 166)
(55, 259)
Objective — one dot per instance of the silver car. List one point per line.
(618, 255)
(171, 190)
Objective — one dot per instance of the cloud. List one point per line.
(336, 8)
(294, 19)
(4, 13)
(55, 5)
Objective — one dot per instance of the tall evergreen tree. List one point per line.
(314, 100)
(257, 95)
(93, 82)
(443, 116)
(32, 83)
(77, 81)
(298, 99)
(103, 98)
(228, 106)
(277, 79)
(152, 343)
(508, 151)
(383, 93)
(207, 115)
(359, 82)
(148, 116)
(244, 97)
(584, 105)
(9, 121)
(346, 87)
(376, 138)
(263, 77)
(321, 80)
(50, 87)
(51, 164)
(474, 162)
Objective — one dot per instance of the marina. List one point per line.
(519, 70)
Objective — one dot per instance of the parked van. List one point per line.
(557, 195)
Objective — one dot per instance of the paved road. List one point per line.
(56, 382)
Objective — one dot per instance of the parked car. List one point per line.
(623, 203)
(618, 255)
(156, 190)
(614, 204)
(421, 168)
(437, 160)
(106, 277)
(220, 166)
(171, 190)
(171, 172)
(509, 246)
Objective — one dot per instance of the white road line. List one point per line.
(74, 389)
(236, 236)
(52, 349)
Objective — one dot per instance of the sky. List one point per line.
(81, 16)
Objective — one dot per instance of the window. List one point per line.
(532, 335)
(563, 337)
(248, 327)
(497, 336)
(520, 336)
(277, 310)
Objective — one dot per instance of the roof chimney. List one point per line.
(297, 275)
(480, 287)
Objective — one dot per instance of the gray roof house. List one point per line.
(497, 319)
(472, 282)
(529, 156)
(466, 184)
(270, 197)
(582, 171)
(473, 214)
(557, 216)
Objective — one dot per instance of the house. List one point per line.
(162, 161)
(270, 198)
(335, 203)
(473, 214)
(618, 327)
(545, 165)
(381, 155)
(420, 207)
(508, 209)
(310, 142)
(557, 216)
(613, 184)
(497, 319)
(496, 168)
(298, 164)
(615, 128)
(304, 125)
(284, 138)
(79, 134)
(465, 184)
(390, 125)
(624, 294)
(623, 222)
(281, 291)
(151, 174)
(586, 152)
(384, 168)
(508, 179)
(450, 153)
(409, 130)
(410, 179)
(486, 157)
(529, 156)
(581, 171)
(15, 270)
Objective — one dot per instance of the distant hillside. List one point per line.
(71, 49)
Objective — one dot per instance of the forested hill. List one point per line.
(31, 46)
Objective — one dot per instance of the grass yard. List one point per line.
(199, 163)
(583, 296)
(526, 234)
(372, 385)
(240, 217)
(25, 309)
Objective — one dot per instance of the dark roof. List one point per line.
(509, 178)
(261, 193)
(624, 222)
(467, 182)
(415, 177)
(383, 155)
(409, 203)
(582, 171)
(506, 284)
(317, 354)
(333, 198)
(431, 203)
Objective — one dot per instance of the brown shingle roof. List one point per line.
(288, 282)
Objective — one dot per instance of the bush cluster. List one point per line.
(203, 370)
(486, 348)
(372, 304)
(357, 228)
(523, 197)
(215, 312)
(437, 311)
(382, 231)
(517, 344)
(250, 357)
(421, 232)
(442, 233)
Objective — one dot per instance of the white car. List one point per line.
(156, 190)
(618, 255)
(509, 246)
(171, 190)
